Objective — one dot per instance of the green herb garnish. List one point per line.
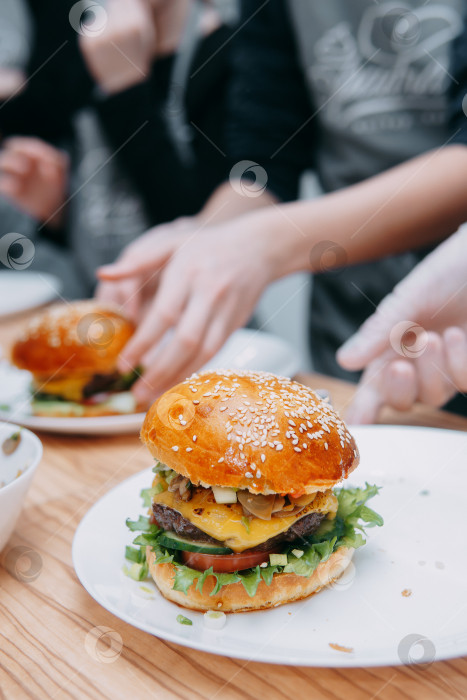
(184, 620)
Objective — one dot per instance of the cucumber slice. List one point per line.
(174, 541)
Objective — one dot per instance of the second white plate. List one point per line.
(244, 350)
(24, 290)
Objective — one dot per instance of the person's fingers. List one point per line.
(434, 387)
(366, 344)
(126, 295)
(11, 186)
(15, 164)
(36, 148)
(367, 400)
(455, 349)
(399, 386)
(164, 313)
(107, 293)
(369, 395)
(136, 261)
(166, 365)
(381, 330)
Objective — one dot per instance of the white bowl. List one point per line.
(23, 461)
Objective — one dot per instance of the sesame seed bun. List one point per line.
(72, 339)
(284, 588)
(250, 430)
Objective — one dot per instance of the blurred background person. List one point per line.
(15, 39)
(15, 43)
(119, 127)
(351, 91)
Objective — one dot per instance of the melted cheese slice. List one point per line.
(70, 388)
(224, 523)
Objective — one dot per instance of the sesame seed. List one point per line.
(263, 458)
(248, 475)
(223, 408)
(325, 445)
(258, 474)
(279, 447)
(297, 449)
(195, 437)
(221, 459)
(196, 402)
(175, 448)
(189, 449)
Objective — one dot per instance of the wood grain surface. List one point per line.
(49, 646)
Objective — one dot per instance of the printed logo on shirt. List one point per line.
(389, 75)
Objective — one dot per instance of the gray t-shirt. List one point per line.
(378, 75)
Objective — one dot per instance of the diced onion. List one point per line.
(224, 495)
(214, 619)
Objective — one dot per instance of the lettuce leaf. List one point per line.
(141, 525)
(184, 578)
(267, 572)
(251, 581)
(353, 516)
(147, 494)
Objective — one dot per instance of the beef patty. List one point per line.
(169, 519)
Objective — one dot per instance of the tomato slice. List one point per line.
(225, 563)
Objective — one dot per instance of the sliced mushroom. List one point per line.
(181, 486)
(279, 503)
(257, 504)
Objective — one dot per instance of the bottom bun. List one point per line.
(284, 588)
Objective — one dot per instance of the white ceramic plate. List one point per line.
(245, 349)
(419, 551)
(22, 291)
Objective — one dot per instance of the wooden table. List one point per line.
(45, 622)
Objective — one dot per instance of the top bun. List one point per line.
(250, 430)
(81, 337)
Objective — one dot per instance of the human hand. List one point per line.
(414, 347)
(134, 293)
(34, 175)
(208, 285)
(121, 55)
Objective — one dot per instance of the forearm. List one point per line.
(409, 206)
(225, 204)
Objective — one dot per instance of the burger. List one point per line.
(242, 511)
(71, 350)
